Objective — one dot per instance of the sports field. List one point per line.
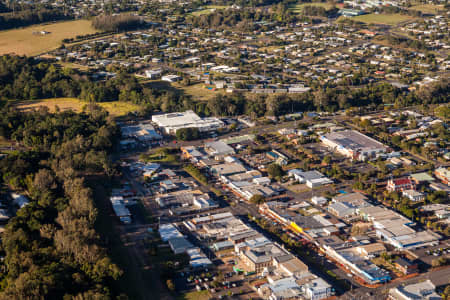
(385, 19)
(24, 42)
(115, 108)
(297, 8)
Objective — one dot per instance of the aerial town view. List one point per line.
(219, 149)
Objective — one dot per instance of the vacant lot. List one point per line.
(428, 8)
(298, 188)
(202, 295)
(115, 108)
(297, 8)
(198, 91)
(386, 19)
(24, 42)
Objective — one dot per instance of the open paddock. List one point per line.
(428, 8)
(384, 19)
(298, 7)
(114, 108)
(37, 39)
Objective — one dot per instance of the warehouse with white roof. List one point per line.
(353, 144)
(172, 122)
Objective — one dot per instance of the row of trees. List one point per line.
(51, 248)
(117, 22)
(30, 17)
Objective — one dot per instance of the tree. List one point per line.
(44, 180)
(257, 199)
(51, 248)
(187, 134)
(275, 170)
(326, 160)
(447, 292)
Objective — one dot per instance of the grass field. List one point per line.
(115, 108)
(208, 9)
(197, 91)
(386, 19)
(24, 42)
(428, 8)
(297, 8)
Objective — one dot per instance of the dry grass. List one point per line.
(208, 10)
(386, 19)
(24, 42)
(115, 108)
(201, 295)
(198, 91)
(297, 8)
(298, 188)
(428, 8)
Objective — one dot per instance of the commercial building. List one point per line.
(319, 200)
(228, 169)
(354, 257)
(346, 205)
(168, 231)
(443, 174)
(171, 78)
(257, 259)
(310, 226)
(350, 12)
(197, 258)
(422, 177)
(413, 195)
(353, 144)
(141, 132)
(303, 286)
(312, 179)
(212, 218)
(179, 244)
(120, 209)
(153, 74)
(183, 202)
(218, 149)
(395, 229)
(172, 122)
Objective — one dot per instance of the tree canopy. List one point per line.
(51, 248)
